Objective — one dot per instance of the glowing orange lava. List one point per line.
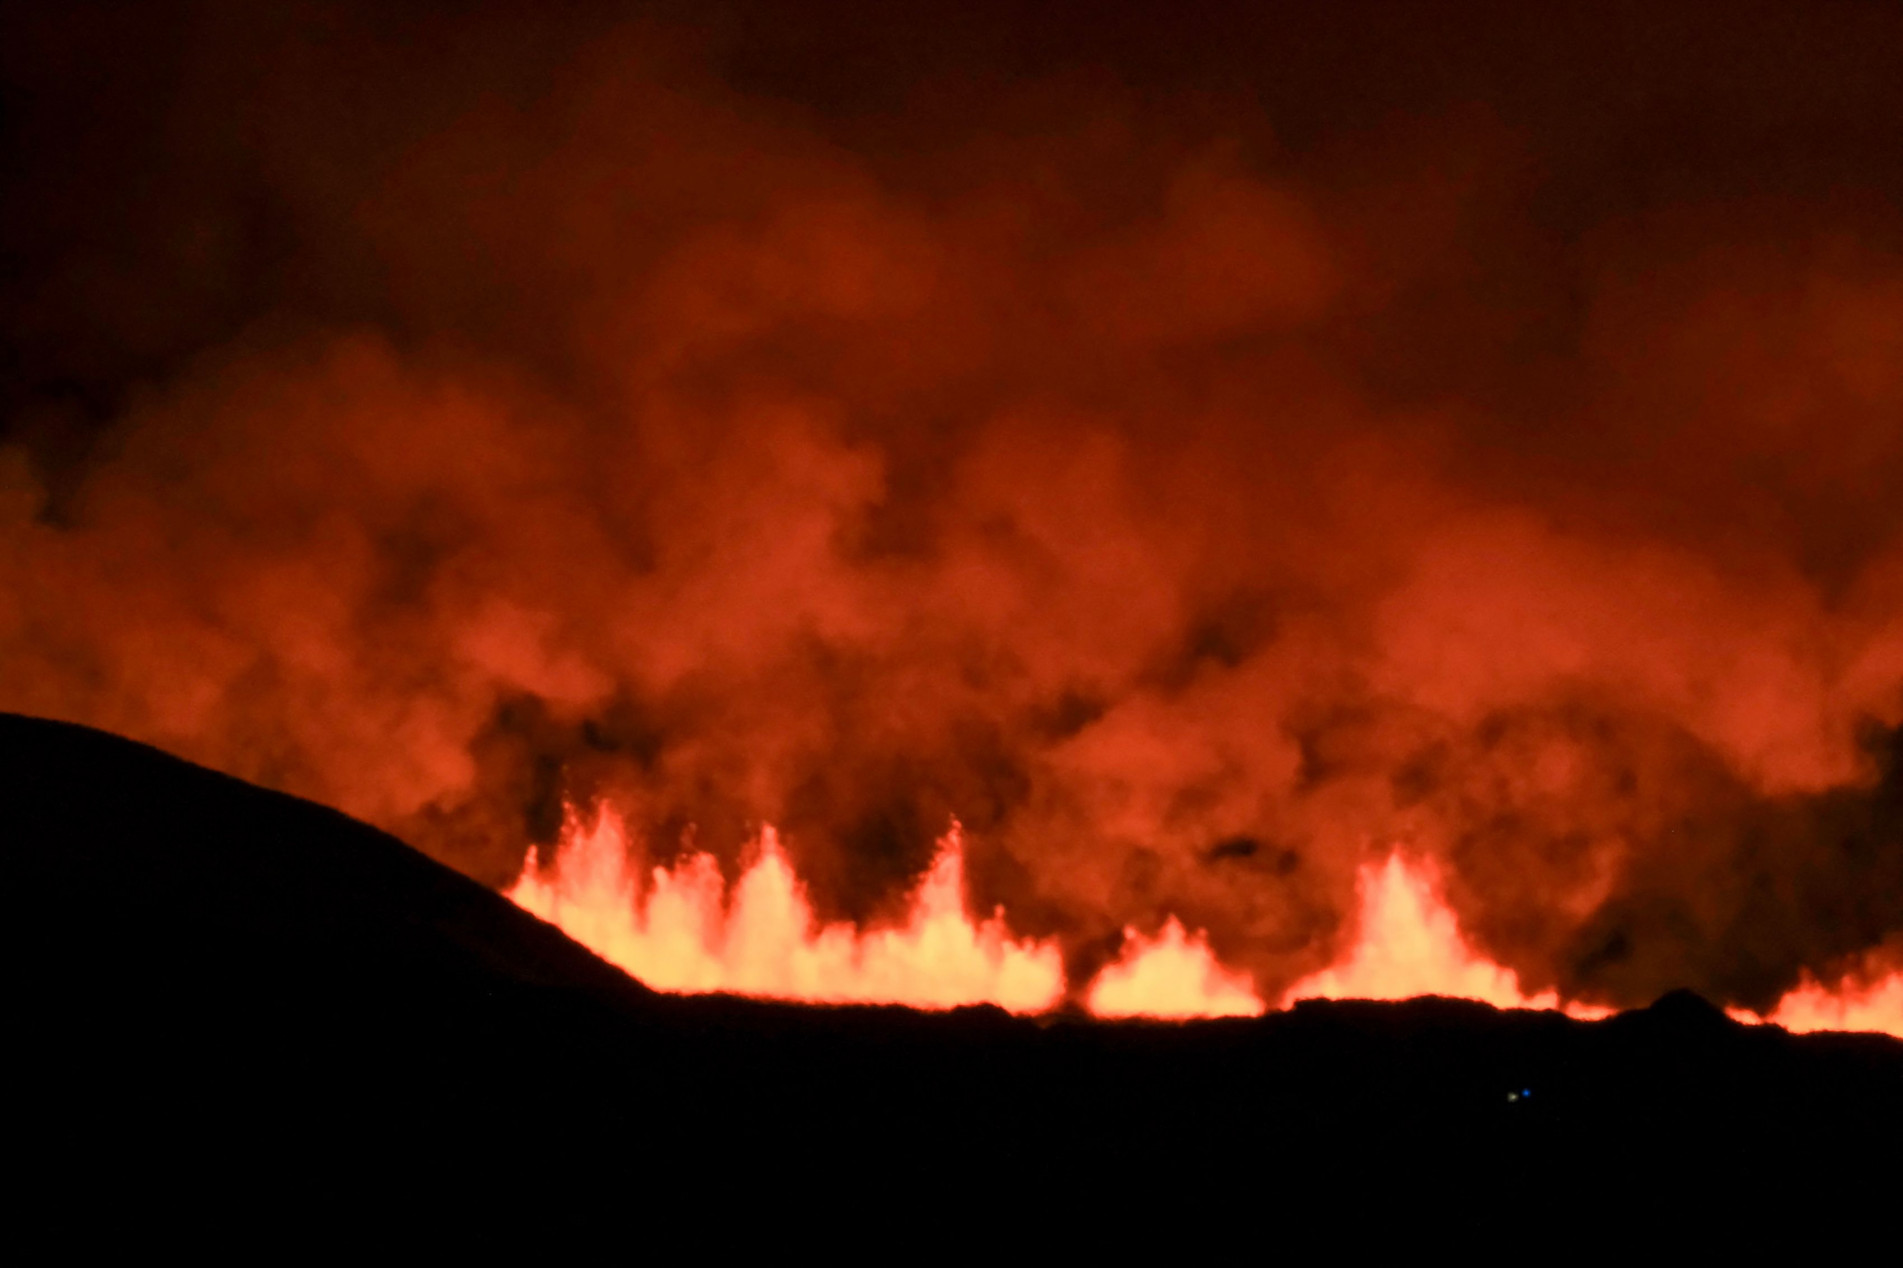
(1172, 975)
(688, 933)
(764, 941)
(1849, 1006)
(1410, 945)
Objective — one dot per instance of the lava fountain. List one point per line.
(1850, 1005)
(1174, 974)
(688, 934)
(1410, 945)
(685, 931)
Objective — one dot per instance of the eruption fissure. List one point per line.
(687, 931)
(1183, 490)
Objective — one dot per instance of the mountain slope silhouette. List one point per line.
(219, 983)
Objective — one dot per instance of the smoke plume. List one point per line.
(1200, 457)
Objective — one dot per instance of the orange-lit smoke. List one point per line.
(1181, 492)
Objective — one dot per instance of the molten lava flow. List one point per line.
(765, 942)
(1410, 945)
(689, 934)
(1172, 975)
(1812, 1006)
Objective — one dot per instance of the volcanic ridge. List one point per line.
(214, 963)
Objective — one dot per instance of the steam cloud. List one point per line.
(1195, 492)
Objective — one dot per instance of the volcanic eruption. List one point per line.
(992, 503)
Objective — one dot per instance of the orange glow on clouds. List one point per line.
(1189, 502)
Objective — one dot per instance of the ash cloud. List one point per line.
(1198, 458)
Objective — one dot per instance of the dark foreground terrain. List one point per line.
(223, 989)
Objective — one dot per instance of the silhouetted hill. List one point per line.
(214, 980)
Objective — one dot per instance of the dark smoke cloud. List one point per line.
(1199, 455)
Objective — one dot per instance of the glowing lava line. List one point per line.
(1172, 975)
(1410, 945)
(765, 942)
(1849, 1006)
(689, 934)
